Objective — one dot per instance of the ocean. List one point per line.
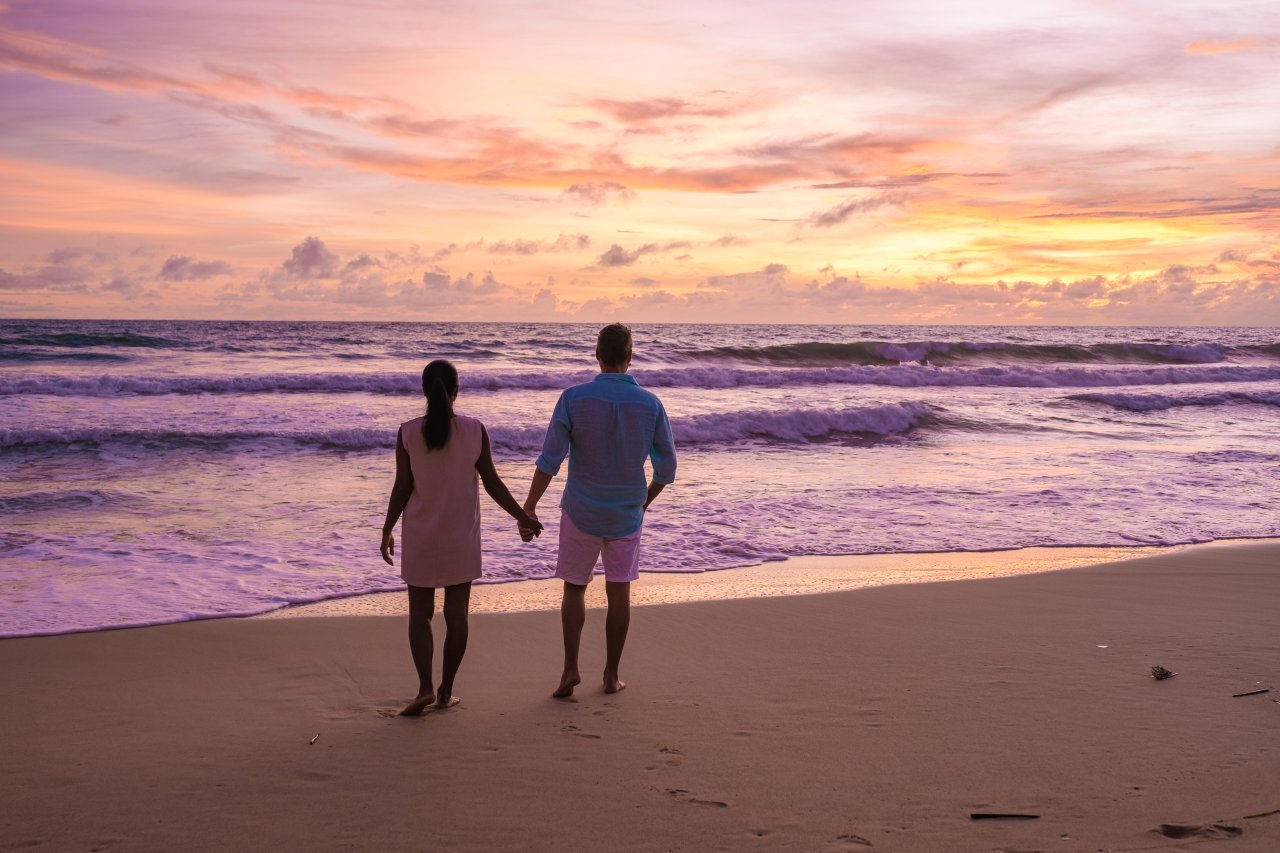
(154, 472)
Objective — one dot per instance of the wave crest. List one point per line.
(883, 353)
(1160, 402)
(786, 426)
(900, 376)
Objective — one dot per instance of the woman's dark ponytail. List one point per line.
(440, 386)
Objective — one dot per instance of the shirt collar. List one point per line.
(615, 377)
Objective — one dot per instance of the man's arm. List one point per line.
(541, 479)
(555, 447)
(662, 454)
(538, 485)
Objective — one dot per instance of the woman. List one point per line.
(437, 459)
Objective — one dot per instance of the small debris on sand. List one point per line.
(1001, 816)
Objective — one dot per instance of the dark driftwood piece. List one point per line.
(1262, 814)
(1251, 693)
(1001, 816)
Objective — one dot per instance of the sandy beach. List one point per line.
(877, 718)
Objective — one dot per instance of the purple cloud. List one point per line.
(600, 192)
(841, 212)
(311, 259)
(51, 277)
(617, 256)
(184, 268)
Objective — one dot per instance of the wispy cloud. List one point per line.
(600, 192)
(647, 110)
(563, 243)
(616, 256)
(854, 207)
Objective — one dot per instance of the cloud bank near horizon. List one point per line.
(315, 282)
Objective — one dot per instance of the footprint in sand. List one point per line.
(570, 729)
(849, 839)
(427, 711)
(1187, 830)
(683, 796)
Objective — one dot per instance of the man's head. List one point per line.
(613, 347)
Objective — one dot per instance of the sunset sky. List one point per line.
(1095, 162)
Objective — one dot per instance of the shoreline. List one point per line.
(804, 575)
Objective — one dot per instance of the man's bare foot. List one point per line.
(568, 681)
(417, 706)
(445, 702)
(613, 684)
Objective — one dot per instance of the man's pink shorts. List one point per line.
(579, 551)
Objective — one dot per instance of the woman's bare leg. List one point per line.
(457, 601)
(422, 605)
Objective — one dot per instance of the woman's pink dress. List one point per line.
(440, 538)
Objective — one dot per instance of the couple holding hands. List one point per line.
(608, 428)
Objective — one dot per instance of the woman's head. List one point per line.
(445, 373)
(440, 387)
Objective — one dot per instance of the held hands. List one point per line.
(388, 547)
(530, 526)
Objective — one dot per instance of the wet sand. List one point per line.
(797, 576)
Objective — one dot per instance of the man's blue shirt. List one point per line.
(608, 427)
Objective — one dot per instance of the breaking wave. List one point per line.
(902, 376)
(870, 353)
(794, 426)
(1160, 402)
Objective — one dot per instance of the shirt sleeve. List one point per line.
(555, 447)
(663, 451)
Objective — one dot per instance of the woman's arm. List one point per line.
(399, 498)
(498, 490)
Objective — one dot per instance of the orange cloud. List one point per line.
(1209, 47)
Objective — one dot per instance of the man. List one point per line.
(607, 427)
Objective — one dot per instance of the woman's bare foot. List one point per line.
(613, 684)
(568, 681)
(417, 706)
(445, 702)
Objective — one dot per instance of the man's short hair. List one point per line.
(613, 346)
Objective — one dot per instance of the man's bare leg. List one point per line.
(422, 604)
(573, 615)
(457, 601)
(615, 632)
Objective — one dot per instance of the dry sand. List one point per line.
(873, 719)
